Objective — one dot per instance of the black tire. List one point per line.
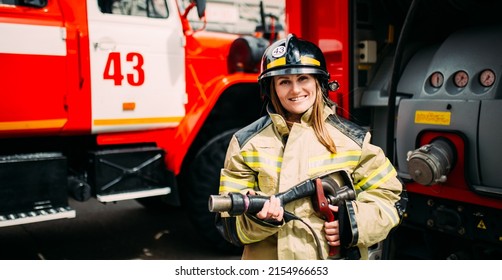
(204, 180)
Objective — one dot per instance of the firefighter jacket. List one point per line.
(269, 157)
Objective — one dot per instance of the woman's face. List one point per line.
(296, 93)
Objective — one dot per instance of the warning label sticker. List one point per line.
(481, 225)
(433, 117)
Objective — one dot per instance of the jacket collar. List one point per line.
(282, 126)
(279, 122)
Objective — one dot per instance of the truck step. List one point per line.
(36, 216)
(129, 173)
(133, 195)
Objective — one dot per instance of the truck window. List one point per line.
(235, 17)
(142, 8)
(27, 3)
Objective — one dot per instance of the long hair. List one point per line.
(316, 118)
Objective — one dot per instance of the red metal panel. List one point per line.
(326, 23)
(25, 83)
(44, 94)
(456, 187)
(78, 98)
(32, 84)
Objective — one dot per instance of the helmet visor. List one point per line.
(293, 71)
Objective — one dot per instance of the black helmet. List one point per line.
(292, 56)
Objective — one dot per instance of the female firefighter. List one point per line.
(301, 138)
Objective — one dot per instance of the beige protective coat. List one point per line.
(267, 162)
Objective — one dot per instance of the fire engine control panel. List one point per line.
(454, 89)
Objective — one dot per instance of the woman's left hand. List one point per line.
(332, 229)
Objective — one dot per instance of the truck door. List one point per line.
(137, 64)
(33, 67)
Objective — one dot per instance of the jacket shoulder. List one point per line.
(248, 132)
(350, 129)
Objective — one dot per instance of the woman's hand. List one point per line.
(332, 230)
(271, 210)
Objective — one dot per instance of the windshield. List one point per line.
(236, 16)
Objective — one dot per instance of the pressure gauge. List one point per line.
(460, 79)
(436, 79)
(487, 78)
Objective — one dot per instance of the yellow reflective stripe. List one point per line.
(384, 179)
(388, 210)
(261, 154)
(378, 177)
(262, 160)
(334, 161)
(340, 154)
(33, 124)
(137, 121)
(242, 236)
(309, 60)
(303, 59)
(227, 189)
(278, 62)
(333, 166)
(234, 185)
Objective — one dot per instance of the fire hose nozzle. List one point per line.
(236, 203)
(218, 203)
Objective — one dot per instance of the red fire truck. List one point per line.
(116, 100)
(424, 77)
(94, 106)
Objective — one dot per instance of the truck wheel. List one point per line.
(204, 180)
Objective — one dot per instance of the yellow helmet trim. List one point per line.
(310, 60)
(278, 62)
(304, 60)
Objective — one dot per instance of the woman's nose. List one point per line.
(297, 87)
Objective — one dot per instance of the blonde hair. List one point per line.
(316, 118)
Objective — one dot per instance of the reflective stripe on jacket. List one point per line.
(266, 156)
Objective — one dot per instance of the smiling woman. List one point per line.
(302, 139)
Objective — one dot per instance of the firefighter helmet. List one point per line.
(292, 56)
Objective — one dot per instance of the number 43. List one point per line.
(113, 69)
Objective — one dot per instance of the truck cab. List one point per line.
(120, 100)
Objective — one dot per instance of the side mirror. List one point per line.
(201, 7)
(201, 11)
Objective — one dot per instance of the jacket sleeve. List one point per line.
(373, 214)
(236, 176)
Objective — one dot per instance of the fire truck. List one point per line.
(424, 76)
(119, 100)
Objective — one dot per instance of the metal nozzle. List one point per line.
(219, 203)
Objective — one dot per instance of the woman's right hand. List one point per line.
(271, 210)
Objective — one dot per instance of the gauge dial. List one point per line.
(460, 79)
(487, 78)
(436, 79)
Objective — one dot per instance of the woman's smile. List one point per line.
(298, 98)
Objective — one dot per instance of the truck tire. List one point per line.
(203, 181)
